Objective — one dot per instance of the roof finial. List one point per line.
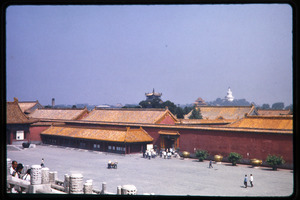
(16, 99)
(153, 90)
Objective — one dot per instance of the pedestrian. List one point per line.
(13, 167)
(251, 180)
(144, 153)
(42, 164)
(26, 177)
(245, 181)
(165, 154)
(210, 164)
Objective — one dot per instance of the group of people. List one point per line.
(250, 180)
(167, 154)
(16, 170)
(149, 154)
(163, 153)
(112, 164)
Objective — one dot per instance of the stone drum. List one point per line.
(76, 184)
(36, 175)
(128, 190)
(8, 161)
(52, 177)
(88, 188)
(45, 175)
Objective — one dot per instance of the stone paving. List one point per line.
(160, 176)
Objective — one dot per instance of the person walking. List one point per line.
(251, 180)
(245, 181)
(210, 164)
(42, 164)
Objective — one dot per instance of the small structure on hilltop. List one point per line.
(229, 96)
(153, 96)
(200, 102)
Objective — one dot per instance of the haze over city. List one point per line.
(115, 54)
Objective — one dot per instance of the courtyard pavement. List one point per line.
(160, 176)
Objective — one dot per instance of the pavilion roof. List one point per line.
(128, 135)
(27, 105)
(14, 114)
(129, 115)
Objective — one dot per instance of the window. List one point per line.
(82, 144)
(120, 149)
(96, 146)
(20, 135)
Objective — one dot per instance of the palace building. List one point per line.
(222, 130)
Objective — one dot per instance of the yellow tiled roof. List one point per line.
(265, 122)
(273, 112)
(14, 114)
(205, 121)
(148, 116)
(56, 113)
(168, 132)
(223, 112)
(27, 105)
(105, 134)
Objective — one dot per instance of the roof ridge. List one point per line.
(270, 116)
(62, 108)
(226, 106)
(133, 109)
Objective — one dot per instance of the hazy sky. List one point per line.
(114, 54)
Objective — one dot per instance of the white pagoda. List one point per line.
(229, 96)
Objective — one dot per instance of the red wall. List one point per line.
(35, 132)
(258, 145)
(153, 132)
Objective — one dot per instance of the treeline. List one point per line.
(179, 111)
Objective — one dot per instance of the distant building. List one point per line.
(153, 95)
(103, 106)
(229, 96)
(200, 102)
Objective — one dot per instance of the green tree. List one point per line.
(290, 107)
(201, 154)
(179, 113)
(278, 106)
(275, 161)
(171, 106)
(196, 114)
(234, 158)
(187, 109)
(265, 106)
